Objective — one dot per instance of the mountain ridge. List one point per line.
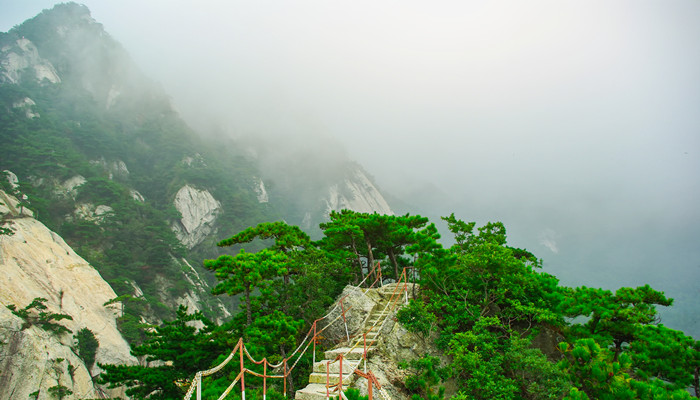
(108, 163)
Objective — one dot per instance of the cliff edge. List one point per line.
(37, 263)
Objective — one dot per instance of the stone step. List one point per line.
(320, 378)
(369, 330)
(379, 315)
(373, 325)
(370, 348)
(368, 337)
(354, 354)
(315, 391)
(371, 342)
(333, 368)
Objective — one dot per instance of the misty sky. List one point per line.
(577, 123)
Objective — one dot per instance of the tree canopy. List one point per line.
(487, 305)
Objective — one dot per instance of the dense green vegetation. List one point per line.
(509, 330)
(133, 242)
(132, 153)
(86, 345)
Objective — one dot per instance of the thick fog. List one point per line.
(575, 123)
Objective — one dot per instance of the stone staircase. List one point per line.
(352, 352)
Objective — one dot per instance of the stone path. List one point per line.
(352, 352)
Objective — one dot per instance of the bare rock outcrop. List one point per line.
(36, 262)
(261, 191)
(27, 105)
(17, 59)
(113, 168)
(356, 193)
(394, 343)
(199, 210)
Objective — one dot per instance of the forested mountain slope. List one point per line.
(107, 163)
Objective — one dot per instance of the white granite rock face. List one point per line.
(36, 262)
(36, 361)
(113, 168)
(137, 196)
(261, 192)
(356, 193)
(12, 179)
(15, 60)
(26, 104)
(199, 210)
(69, 187)
(112, 96)
(10, 206)
(90, 212)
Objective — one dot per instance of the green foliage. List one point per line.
(613, 319)
(86, 344)
(427, 375)
(131, 328)
(599, 373)
(286, 237)
(481, 276)
(479, 360)
(416, 318)
(35, 314)
(535, 375)
(6, 231)
(183, 350)
(666, 356)
(489, 298)
(272, 335)
(493, 362)
(129, 321)
(362, 238)
(59, 391)
(485, 299)
(77, 133)
(593, 370)
(354, 394)
(244, 272)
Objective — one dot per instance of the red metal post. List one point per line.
(328, 378)
(265, 379)
(240, 342)
(314, 362)
(369, 388)
(285, 378)
(340, 385)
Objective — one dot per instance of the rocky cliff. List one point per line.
(356, 192)
(198, 209)
(37, 263)
(23, 56)
(372, 312)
